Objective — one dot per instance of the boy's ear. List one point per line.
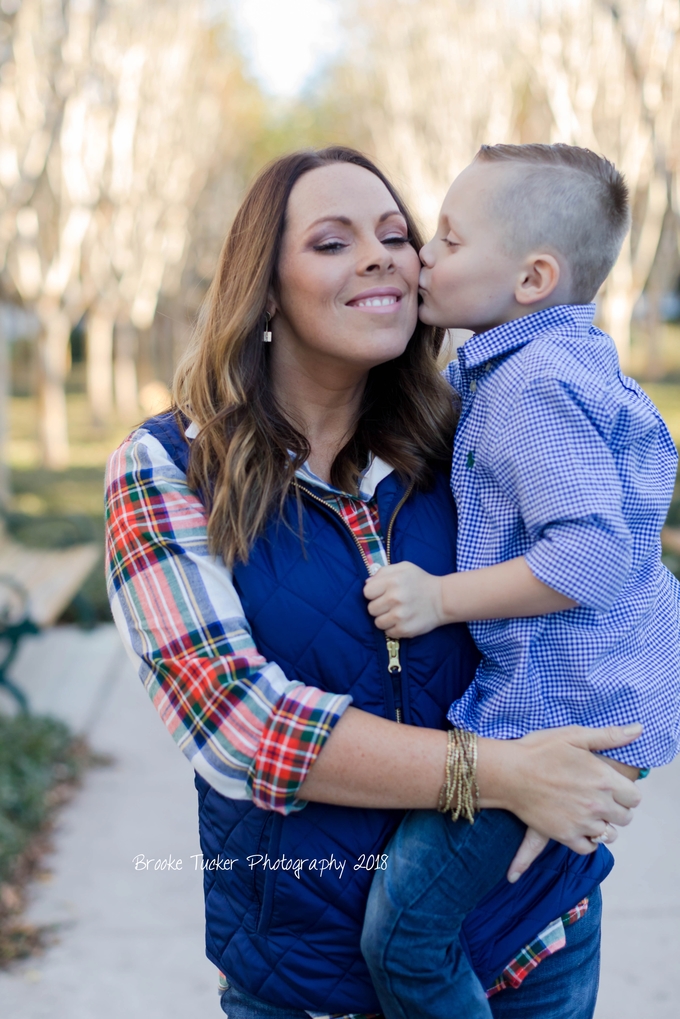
(539, 278)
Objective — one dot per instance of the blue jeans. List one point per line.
(437, 872)
(563, 986)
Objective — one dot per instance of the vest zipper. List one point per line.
(393, 662)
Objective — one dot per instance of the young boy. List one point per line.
(562, 473)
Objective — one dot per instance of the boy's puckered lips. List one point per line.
(378, 299)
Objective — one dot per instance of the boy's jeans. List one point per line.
(437, 872)
(564, 986)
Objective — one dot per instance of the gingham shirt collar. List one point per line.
(502, 339)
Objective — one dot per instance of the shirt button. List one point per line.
(488, 366)
(473, 386)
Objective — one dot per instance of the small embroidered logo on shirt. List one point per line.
(470, 462)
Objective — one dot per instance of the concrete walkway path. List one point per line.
(641, 919)
(131, 941)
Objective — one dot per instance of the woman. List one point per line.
(314, 443)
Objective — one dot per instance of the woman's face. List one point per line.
(348, 276)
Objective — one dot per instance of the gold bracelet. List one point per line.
(460, 792)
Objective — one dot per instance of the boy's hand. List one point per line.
(404, 600)
(532, 846)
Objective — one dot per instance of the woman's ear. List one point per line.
(539, 279)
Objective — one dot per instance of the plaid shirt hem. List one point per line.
(290, 742)
(549, 941)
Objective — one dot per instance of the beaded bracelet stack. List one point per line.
(460, 793)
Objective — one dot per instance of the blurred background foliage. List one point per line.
(130, 128)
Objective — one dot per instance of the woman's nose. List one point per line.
(376, 257)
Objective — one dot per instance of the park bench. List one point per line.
(36, 585)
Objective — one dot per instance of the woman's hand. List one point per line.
(552, 781)
(549, 779)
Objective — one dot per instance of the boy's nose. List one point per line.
(425, 254)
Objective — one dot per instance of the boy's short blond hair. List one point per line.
(565, 198)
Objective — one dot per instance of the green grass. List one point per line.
(666, 396)
(40, 765)
(52, 509)
(36, 753)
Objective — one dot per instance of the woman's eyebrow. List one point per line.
(346, 221)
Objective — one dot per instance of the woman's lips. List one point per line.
(382, 300)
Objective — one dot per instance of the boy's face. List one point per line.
(467, 280)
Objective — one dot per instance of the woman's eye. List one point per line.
(450, 243)
(330, 246)
(398, 240)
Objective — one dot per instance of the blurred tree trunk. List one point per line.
(5, 391)
(629, 277)
(654, 368)
(52, 363)
(100, 365)
(125, 373)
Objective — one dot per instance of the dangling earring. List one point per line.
(267, 336)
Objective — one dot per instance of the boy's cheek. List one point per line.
(431, 314)
(425, 314)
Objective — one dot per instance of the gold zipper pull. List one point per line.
(393, 663)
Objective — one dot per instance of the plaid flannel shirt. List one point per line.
(248, 730)
(245, 728)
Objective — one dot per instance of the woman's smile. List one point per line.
(383, 300)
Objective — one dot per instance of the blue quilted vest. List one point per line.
(289, 932)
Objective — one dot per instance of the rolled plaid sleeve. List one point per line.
(554, 459)
(247, 729)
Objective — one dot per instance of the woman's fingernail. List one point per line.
(515, 876)
(629, 730)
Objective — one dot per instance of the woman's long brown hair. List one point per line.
(243, 460)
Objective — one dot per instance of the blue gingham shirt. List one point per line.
(561, 458)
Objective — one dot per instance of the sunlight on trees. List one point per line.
(129, 129)
(113, 117)
(438, 78)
